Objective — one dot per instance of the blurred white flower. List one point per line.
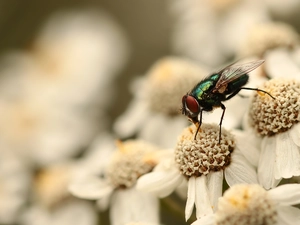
(73, 211)
(203, 162)
(263, 37)
(79, 54)
(154, 113)
(212, 31)
(51, 203)
(276, 121)
(283, 62)
(53, 98)
(15, 182)
(115, 184)
(248, 204)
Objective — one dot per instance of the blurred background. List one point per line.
(146, 25)
(69, 69)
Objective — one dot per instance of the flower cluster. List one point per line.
(196, 144)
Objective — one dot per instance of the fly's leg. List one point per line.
(233, 94)
(199, 125)
(256, 89)
(224, 108)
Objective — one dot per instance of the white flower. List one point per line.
(51, 203)
(115, 186)
(203, 162)
(15, 182)
(283, 62)
(157, 101)
(246, 204)
(277, 122)
(52, 96)
(78, 53)
(266, 36)
(210, 31)
(73, 211)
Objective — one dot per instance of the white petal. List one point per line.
(72, 212)
(234, 113)
(75, 213)
(240, 170)
(130, 122)
(103, 203)
(90, 187)
(288, 194)
(279, 63)
(130, 205)
(288, 215)
(203, 204)
(215, 184)
(160, 183)
(205, 220)
(169, 129)
(294, 134)
(266, 164)
(248, 144)
(287, 156)
(191, 197)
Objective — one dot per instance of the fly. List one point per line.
(215, 89)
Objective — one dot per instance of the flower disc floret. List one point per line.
(132, 160)
(271, 116)
(246, 204)
(205, 154)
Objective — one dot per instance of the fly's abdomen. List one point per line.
(237, 84)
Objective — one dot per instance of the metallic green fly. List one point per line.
(215, 89)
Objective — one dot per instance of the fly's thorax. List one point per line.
(202, 89)
(271, 116)
(246, 204)
(205, 154)
(132, 159)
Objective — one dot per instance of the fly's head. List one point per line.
(190, 107)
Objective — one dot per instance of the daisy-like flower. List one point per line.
(250, 204)
(116, 186)
(51, 203)
(266, 36)
(157, 101)
(204, 30)
(277, 122)
(203, 162)
(52, 95)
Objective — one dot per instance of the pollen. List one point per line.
(168, 80)
(132, 159)
(205, 154)
(246, 204)
(266, 36)
(271, 116)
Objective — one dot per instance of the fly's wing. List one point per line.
(234, 71)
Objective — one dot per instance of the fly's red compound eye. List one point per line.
(192, 104)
